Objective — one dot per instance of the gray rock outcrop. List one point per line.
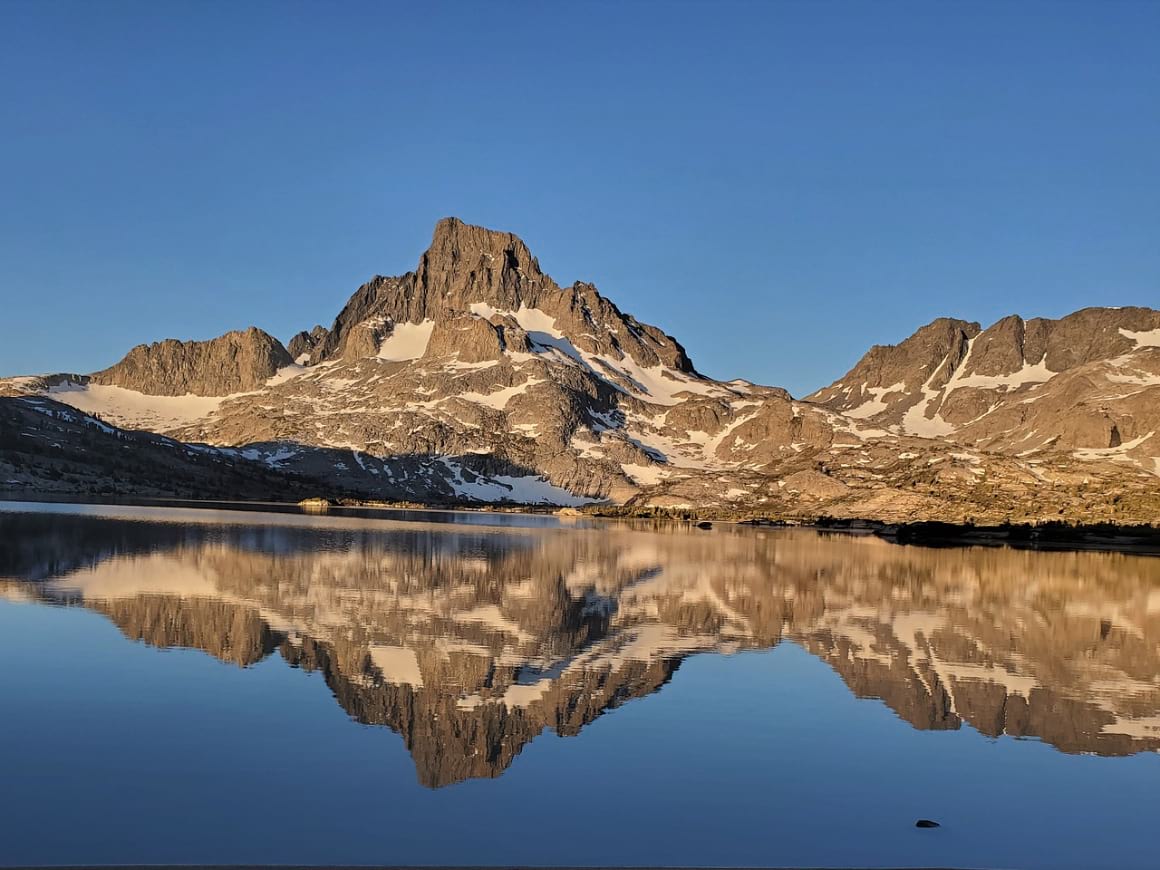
(1087, 383)
(232, 363)
(302, 345)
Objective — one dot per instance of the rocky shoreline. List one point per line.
(1139, 538)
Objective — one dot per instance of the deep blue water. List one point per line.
(738, 751)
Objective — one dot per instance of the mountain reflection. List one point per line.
(469, 641)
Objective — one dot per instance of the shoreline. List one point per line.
(1054, 535)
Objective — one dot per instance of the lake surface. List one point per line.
(183, 686)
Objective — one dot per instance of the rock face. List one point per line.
(302, 345)
(1087, 384)
(471, 655)
(893, 376)
(475, 377)
(494, 275)
(233, 363)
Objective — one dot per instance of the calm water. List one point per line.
(215, 686)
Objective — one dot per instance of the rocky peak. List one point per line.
(478, 264)
(930, 354)
(474, 339)
(1086, 383)
(1005, 346)
(232, 363)
(471, 270)
(303, 344)
(1092, 334)
(1007, 351)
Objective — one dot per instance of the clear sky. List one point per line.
(778, 184)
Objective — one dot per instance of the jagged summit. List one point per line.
(908, 364)
(302, 345)
(1088, 382)
(490, 274)
(459, 250)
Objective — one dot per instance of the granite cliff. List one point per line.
(233, 363)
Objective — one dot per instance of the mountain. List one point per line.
(470, 641)
(234, 363)
(1087, 384)
(477, 378)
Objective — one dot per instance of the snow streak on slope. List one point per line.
(1148, 338)
(876, 404)
(528, 489)
(657, 384)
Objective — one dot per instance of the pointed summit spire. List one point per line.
(463, 256)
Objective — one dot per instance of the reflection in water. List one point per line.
(471, 640)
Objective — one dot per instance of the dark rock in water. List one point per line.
(704, 524)
(926, 823)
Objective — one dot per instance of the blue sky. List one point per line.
(777, 184)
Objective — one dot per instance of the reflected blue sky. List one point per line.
(115, 751)
(216, 686)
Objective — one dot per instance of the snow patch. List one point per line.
(1111, 452)
(397, 664)
(482, 309)
(644, 475)
(407, 341)
(527, 489)
(877, 403)
(130, 409)
(657, 384)
(500, 398)
(1148, 338)
(915, 421)
(273, 458)
(286, 373)
(1029, 374)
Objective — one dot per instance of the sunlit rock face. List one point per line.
(1087, 385)
(232, 363)
(475, 377)
(471, 641)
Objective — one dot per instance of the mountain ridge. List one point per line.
(503, 385)
(237, 361)
(1086, 381)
